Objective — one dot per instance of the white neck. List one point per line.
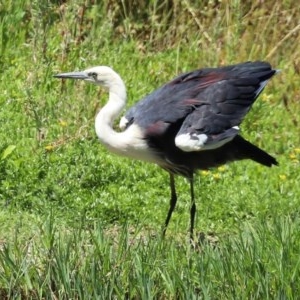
(129, 142)
(107, 115)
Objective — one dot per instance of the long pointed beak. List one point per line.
(72, 75)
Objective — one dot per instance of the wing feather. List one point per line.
(206, 105)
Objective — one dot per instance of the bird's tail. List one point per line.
(253, 152)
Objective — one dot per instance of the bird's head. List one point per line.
(101, 75)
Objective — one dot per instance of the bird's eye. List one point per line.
(92, 74)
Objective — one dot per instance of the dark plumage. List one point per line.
(209, 101)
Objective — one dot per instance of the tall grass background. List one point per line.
(80, 223)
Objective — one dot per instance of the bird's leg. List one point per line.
(193, 208)
(173, 201)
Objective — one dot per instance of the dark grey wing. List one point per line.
(216, 122)
(170, 102)
(206, 105)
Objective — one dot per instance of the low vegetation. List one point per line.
(78, 222)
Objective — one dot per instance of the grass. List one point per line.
(55, 263)
(80, 223)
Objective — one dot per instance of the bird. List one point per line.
(188, 124)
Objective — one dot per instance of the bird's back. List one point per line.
(177, 98)
(205, 107)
